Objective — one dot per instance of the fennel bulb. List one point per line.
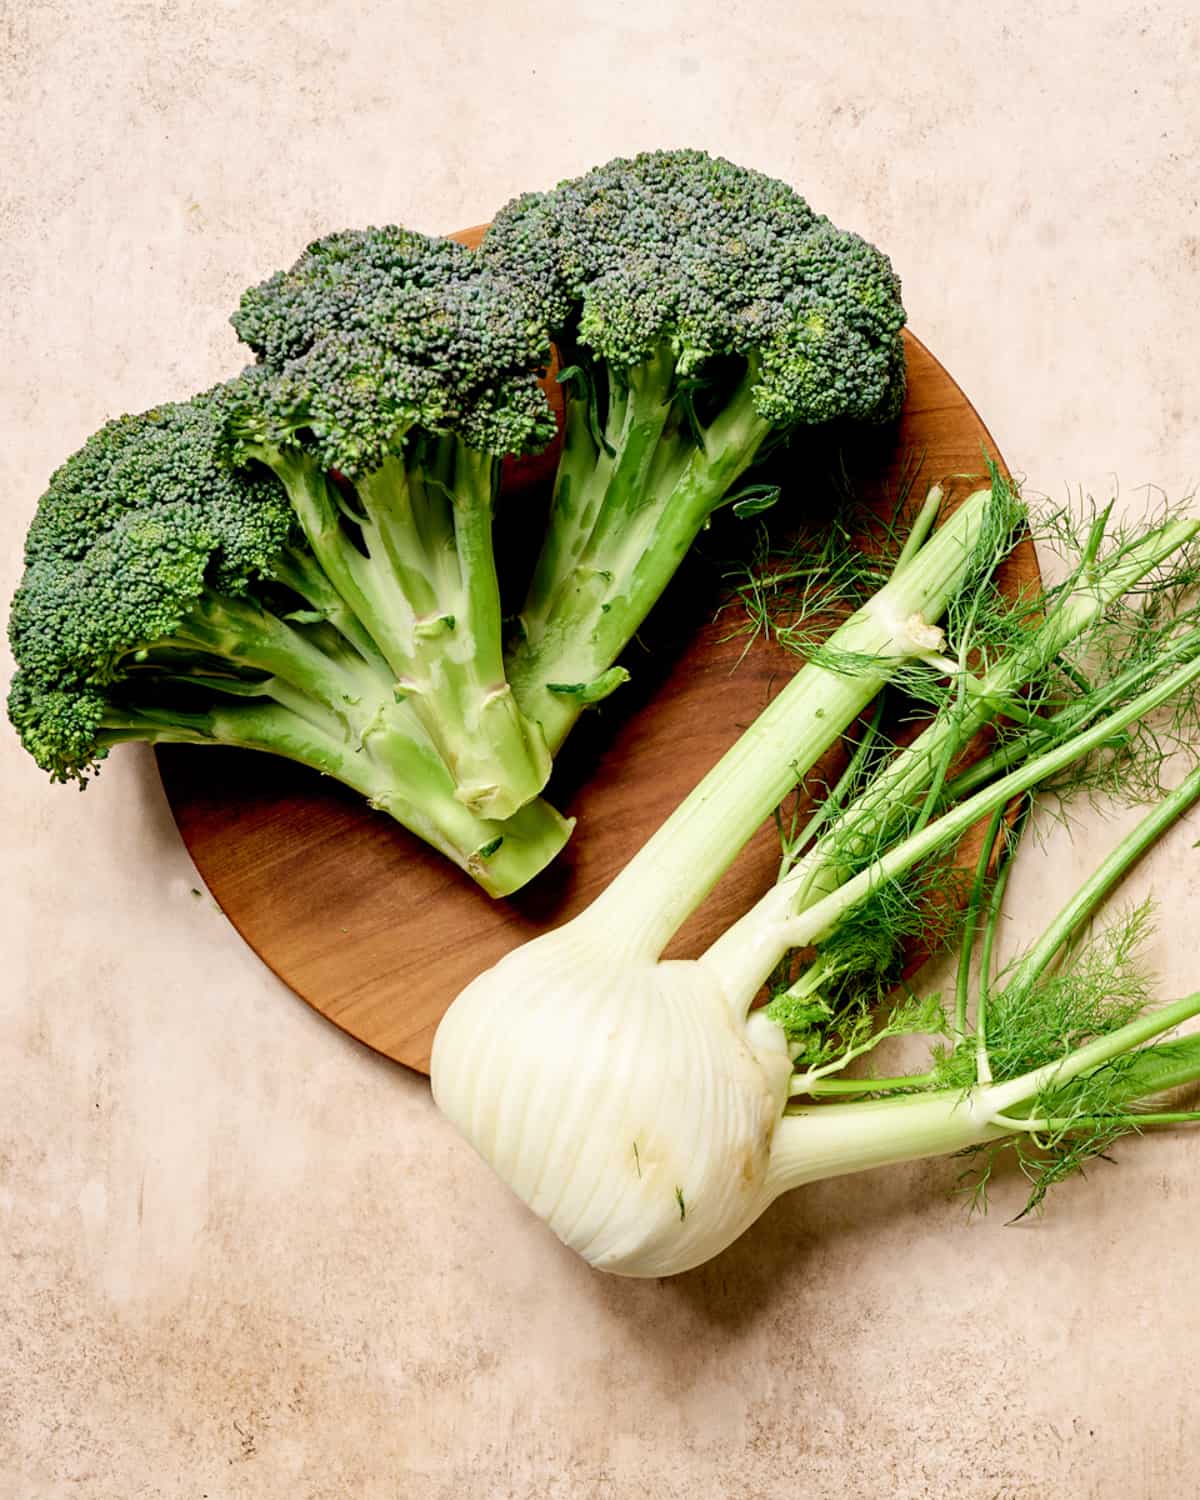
(646, 1112)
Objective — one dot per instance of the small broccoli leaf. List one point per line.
(594, 691)
(753, 500)
(580, 377)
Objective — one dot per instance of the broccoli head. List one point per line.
(170, 597)
(395, 371)
(132, 531)
(376, 333)
(687, 251)
(703, 310)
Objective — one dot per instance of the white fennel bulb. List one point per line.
(622, 1099)
(648, 1115)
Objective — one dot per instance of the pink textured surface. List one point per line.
(243, 1257)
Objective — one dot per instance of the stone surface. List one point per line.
(242, 1257)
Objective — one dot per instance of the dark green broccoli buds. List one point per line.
(133, 529)
(376, 332)
(681, 249)
(164, 459)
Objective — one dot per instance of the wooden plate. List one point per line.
(379, 934)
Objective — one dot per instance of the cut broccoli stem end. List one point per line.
(236, 674)
(500, 855)
(385, 757)
(617, 535)
(497, 758)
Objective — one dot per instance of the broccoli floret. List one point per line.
(701, 311)
(403, 367)
(167, 597)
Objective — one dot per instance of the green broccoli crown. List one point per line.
(166, 460)
(376, 332)
(691, 251)
(131, 531)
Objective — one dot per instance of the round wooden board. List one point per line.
(378, 933)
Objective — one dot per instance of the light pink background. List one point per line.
(242, 1257)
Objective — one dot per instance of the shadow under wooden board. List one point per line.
(377, 932)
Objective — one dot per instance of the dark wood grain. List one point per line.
(378, 933)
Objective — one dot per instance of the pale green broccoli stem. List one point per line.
(315, 503)
(399, 776)
(332, 711)
(429, 523)
(620, 525)
(425, 592)
(298, 571)
(637, 429)
(683, 860)
(579, 483)
(239, 630)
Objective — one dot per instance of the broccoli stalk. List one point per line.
(395, 372)
(702, 312)
(423, 585)
(168, 598)
(619, 527)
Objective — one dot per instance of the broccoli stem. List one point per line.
(241, 631)
(299, 572)
(627, 506)
(317, 701)
(429, 521)
(315, 503)
(414, 563)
